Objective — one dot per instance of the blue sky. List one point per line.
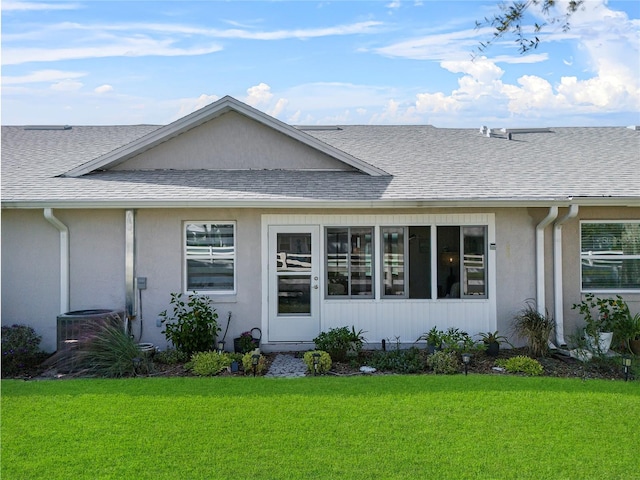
(314, 62)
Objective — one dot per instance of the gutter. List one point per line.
(558, 304)
(540, 293)
(64, 258)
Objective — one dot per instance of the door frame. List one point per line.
(276, 325)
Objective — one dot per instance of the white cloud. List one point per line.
(103, 89)
(12, 6)
(190, 105)
(41, 76)
(258, 95)
(67, 85)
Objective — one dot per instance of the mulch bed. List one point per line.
(555, 365)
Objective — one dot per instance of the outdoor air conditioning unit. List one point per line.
(72, 325)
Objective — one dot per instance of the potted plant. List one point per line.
(246, 342)
(602, 316)
(433, 338)
(492, 341)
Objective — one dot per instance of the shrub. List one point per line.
(398, 361)
(192, 326)
(247, 364)
(535, 327)
(443, 362)
(335, 342)
(171, 356)
(324, 362)
(108, 351)
(521, 364)
(209, 363)
(20, 349)
(455, 340)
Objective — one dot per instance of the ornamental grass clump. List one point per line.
(535, 328)
(108, 351)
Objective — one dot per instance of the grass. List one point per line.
(380, 427)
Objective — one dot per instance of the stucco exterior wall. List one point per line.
(31, 265)
(232, 142)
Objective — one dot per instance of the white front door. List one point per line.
(294, 283)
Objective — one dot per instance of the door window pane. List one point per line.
(294, 294)
(294, 252)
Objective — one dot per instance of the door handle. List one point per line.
(315, 286)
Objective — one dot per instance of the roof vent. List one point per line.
(509, 132)
(48, 127)
(634, 127)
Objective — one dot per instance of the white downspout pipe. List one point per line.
(64, 258)
(558, 304)
(540, 294)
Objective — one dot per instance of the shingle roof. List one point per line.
(426, 165)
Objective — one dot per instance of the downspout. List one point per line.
(129, 263)
(540, 294)
(558, 304)
(64, 258)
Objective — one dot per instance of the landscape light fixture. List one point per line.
(136, 364)
(626, 363)
(466, 360)
(316, 361)
(255, 358)
(220, 347)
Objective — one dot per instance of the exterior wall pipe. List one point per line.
(64, 258)
(129, 263)
(558, 304)
(540, 293)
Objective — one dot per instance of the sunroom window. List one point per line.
(349, 262)
(610, 255)
(462, 262)
(210, 257)
(406, 265)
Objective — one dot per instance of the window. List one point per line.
(349, 262)
(210, 257)
(406, 265)
(415, 262)
(610, 255)
(462, 262)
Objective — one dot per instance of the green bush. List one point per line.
(398, 361)
(338, 342)
(171, 356)
(324, 362)
(20, 349)
(192, 326)
(521, 364)
(108, 351)
(247, 364)
(443, 362)
(209, 363)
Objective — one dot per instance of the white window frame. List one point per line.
(186, 256)
(583, 256)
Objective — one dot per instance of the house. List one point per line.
(295, 230)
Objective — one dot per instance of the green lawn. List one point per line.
(379, 427)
